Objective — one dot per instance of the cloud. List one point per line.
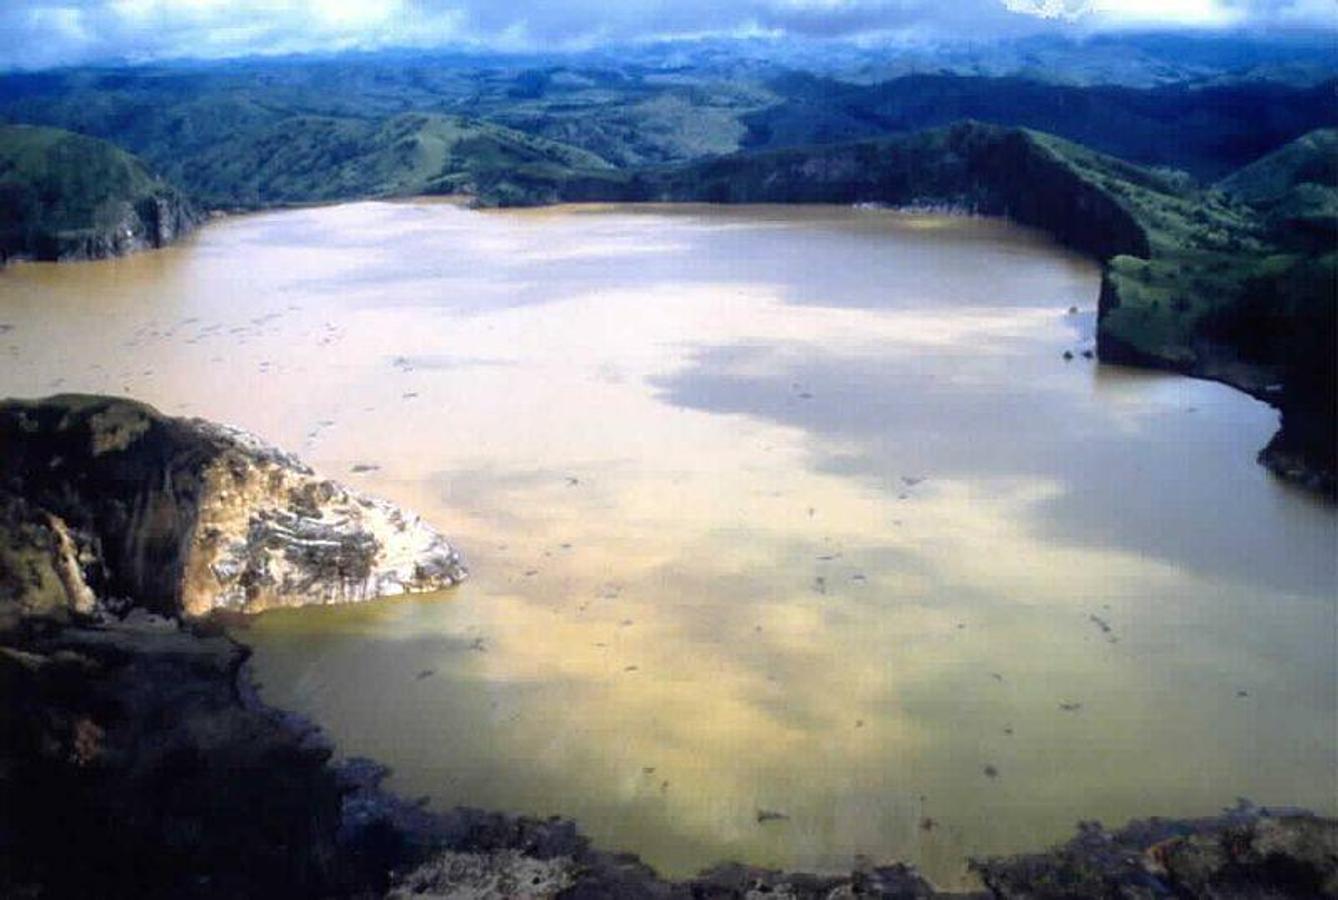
(38, 33)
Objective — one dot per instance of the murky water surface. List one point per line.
(781, 510)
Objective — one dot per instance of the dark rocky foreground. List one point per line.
(137, 761)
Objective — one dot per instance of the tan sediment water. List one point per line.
(768, 509)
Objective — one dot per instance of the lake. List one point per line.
(793, 535)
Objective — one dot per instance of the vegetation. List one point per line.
(1216, 128)
(315, 158)
(646, 107)
(64, 194)
(1234, 281)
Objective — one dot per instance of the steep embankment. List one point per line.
(134, 758)
(1195, 281)
(66, 196)
(136, 761)
(185, 517)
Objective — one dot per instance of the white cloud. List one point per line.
(37, 33)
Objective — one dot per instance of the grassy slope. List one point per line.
(70, 180)
(321, 158)
(1195, 281)
(1296, 188)
(634, 113)
(1223, 269)
(58, 188)
(1216, 128)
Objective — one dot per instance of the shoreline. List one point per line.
(131, 730)
(1289, 458)
(370, 841)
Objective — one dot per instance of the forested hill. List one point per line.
(219, 130)
(1238, 288)
(1207, 131)
(66, 196)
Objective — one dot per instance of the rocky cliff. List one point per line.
(64, 196)
(1236, 285)
(136, 760)
(185, 517)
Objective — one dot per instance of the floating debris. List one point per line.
(1070, 707)
(927, 824)
(572, 481)
(990, 771)
(629, 668)
(1068, 355)
(479, 645)
(359, 468)
(426, 673)
(770, 815)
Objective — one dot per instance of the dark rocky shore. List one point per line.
(137, 761)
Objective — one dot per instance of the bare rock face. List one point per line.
(187, 517)
(41, 565)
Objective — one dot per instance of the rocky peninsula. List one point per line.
(136, 759)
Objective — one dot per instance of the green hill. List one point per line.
(1194, 280)
(1207, 130)
(65, 196)
(1296, 188)
(1310, 159)
(321, 158)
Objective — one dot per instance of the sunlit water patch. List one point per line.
(793, 511)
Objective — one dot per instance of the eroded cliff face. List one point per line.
(66, 196)
(121, 227)
(185, 517)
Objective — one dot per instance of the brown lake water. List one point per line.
(791, 510)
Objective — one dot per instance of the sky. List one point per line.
(41, 33)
